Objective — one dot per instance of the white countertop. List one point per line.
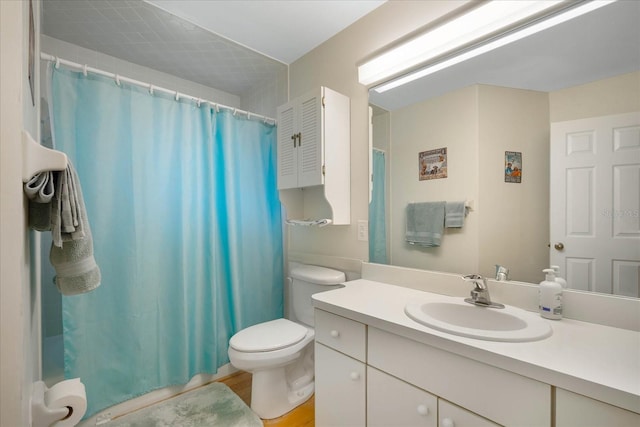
(597, 361)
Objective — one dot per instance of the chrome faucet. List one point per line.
(480, 293)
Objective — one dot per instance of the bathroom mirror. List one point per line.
(504, 101)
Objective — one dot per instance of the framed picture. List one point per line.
(432, 164)
(512, 166)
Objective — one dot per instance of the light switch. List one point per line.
(363, 230)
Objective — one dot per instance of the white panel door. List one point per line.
(595, 203)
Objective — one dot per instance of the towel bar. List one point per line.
(36, 158)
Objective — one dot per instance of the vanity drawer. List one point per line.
(504, 397)
(342, 334)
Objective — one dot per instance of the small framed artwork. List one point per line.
(432, 164)
(512, 166)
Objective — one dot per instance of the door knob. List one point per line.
(559, 246)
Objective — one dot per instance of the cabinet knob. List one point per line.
(447, 422)
(423, 410)
(355, 376)
(335, 333)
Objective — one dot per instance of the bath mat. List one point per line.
(212, 405)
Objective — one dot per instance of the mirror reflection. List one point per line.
(563, 106)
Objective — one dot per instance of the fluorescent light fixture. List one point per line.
(494, 44)
(489, 19)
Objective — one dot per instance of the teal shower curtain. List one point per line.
(377, 219)
(186, 223)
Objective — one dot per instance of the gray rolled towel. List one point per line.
(72, 248)
(40, 189)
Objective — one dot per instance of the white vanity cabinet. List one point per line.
(401, 382)
(313, 139)
(340, 371)
(498, 395)
(575, 410)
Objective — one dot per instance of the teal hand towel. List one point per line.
(425, 223)
(454, 215)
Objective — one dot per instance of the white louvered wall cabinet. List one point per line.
(314, 154)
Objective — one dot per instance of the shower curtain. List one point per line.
(377, 220)
(186, 223)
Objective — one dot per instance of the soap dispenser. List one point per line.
(550, 296)
(556, 271)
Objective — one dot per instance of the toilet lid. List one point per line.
(268, 336)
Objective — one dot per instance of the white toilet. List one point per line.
(279, 353)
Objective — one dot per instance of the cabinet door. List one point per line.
(574, 410)
(340, 389)
(392, 402)
(454, 416)
(287, 153)
(310, 152)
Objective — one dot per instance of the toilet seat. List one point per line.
(268, 336)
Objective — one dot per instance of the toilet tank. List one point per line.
(307, 280)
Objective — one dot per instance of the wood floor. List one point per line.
(302, 416)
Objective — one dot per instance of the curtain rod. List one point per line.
(178, 95)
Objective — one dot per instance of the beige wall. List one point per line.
(616, 95)
(513, 218)
(18, 298)
(509, 222)
(449, 121)
(334, 64)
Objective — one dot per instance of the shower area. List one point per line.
(225, 207)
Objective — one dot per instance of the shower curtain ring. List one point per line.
(84, 70)
(57, 62)
(151, 90)
(177, 96)
(117, 79)
(199, 102)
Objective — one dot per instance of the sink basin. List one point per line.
(509, 324)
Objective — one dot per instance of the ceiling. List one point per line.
(228, 45)
(235, 45)
(600, 44)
